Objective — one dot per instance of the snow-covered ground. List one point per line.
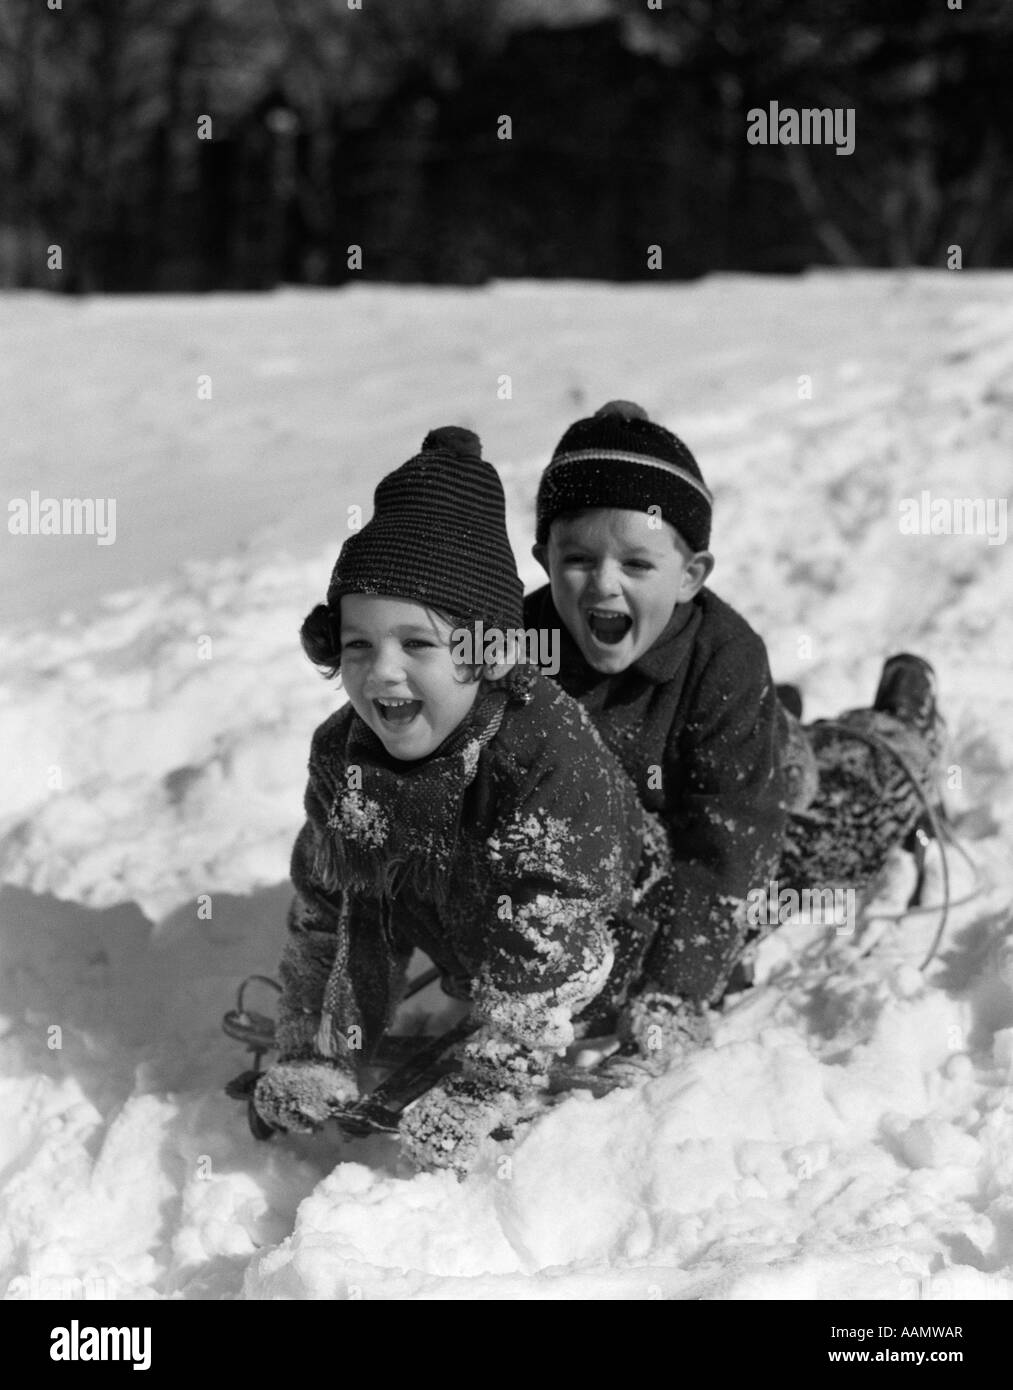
(851, 1135)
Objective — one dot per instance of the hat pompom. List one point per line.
(453, 439)
(626, 410)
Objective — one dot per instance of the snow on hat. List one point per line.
(619, 458)
(437, 536)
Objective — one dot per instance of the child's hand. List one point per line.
(663, 1028)
(446, 1126)
(657, 1031)
(299, 1096)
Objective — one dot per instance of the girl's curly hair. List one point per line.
(320, 636)
(321, 639)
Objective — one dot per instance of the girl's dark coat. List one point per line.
(503, 861)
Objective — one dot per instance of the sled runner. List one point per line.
(415, 1065)
(256, 1032)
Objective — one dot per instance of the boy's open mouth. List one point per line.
(608, 627)
(398, 711)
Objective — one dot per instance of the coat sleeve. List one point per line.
(727, 829)
(564, 859)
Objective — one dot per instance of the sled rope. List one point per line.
(939, 830)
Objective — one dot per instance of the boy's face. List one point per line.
(616, 576)
(397, 667)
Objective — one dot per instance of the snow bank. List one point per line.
(760, 1170)
(851, 1132)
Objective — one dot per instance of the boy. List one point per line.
(677, 684)
(679, 687)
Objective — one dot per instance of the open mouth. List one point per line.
(608, 627)
(397, 711)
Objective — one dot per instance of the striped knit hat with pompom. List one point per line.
(437, 537)
(620, 458)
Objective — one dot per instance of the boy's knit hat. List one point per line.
(620, 458)
(437, 536)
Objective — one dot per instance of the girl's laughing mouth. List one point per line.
(397, 711)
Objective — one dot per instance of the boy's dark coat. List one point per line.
(697, 725)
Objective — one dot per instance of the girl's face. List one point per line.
(397, 667)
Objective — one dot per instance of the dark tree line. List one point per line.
(380, 127)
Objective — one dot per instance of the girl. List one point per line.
(470, 812)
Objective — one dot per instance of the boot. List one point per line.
(791, 697)
(907, 689)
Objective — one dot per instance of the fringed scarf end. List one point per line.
(326, 864)
(326, 1039)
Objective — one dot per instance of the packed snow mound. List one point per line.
(849, 1134)
(160, 749)
(777, 1165)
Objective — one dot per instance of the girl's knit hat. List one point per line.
(620, 458)
(437, 537)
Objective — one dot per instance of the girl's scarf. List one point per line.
(394, 824)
